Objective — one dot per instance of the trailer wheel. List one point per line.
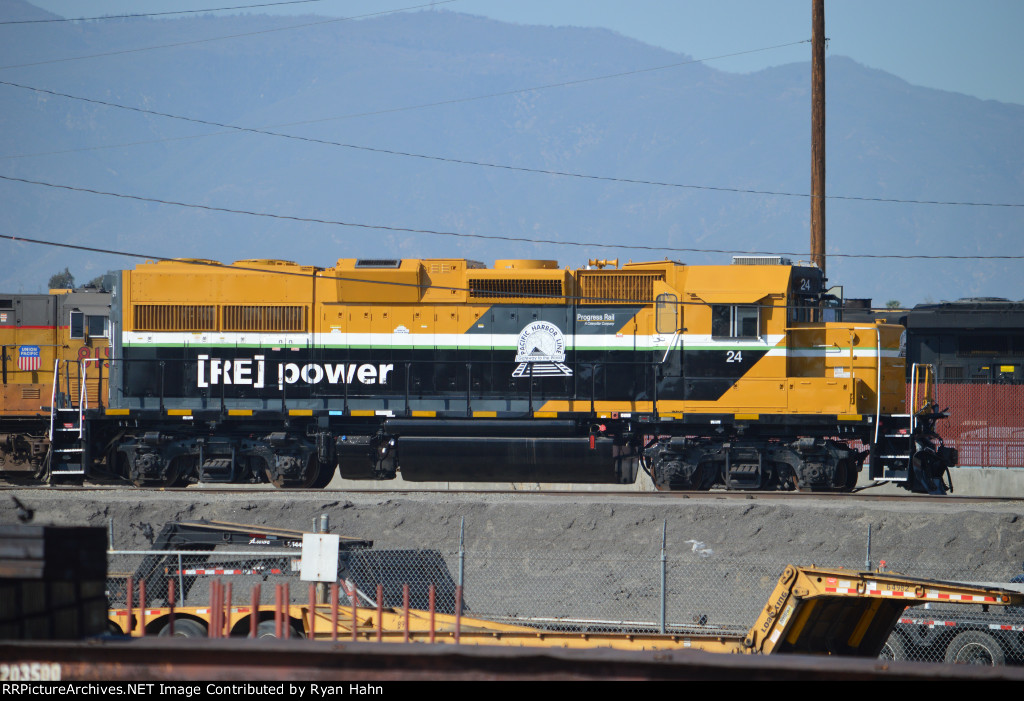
(975, 647)
(268, 629)
(184, 628)
(894, 649)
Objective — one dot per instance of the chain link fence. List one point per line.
(682, 587)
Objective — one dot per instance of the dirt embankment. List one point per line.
(986, 539)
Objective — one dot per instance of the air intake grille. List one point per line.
(251, 318)
(515, 288)
(623, 288)
(378, 263)
(168, 317)
(761, 260)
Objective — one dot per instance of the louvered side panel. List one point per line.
(175, 317)
(618, 288)
(264, 318)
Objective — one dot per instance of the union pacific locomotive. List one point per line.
(442, 369)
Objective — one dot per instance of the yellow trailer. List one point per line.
(812, 610)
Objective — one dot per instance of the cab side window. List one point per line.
(735, 321)
(93, 325)
(667, 315)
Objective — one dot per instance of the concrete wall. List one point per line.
(972, 482)
(967, 481)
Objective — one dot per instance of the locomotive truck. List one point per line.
(739, 376)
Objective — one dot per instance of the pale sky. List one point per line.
(968, 47)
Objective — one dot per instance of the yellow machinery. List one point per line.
(812, 610)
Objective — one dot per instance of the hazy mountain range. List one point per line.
(357, 83)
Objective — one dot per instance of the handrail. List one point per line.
(53, 395)
(83, 395)
(878, 382)
(671, 345)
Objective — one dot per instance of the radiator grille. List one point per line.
(253, 318)
(514, 288)
(175, 317)
(623, 288)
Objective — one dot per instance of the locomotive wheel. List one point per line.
(41, 473)
(173, 478)
(275, 480)
(313, 477)
(324, 474)
(318, 476)
(851, 479)
(674, 477)
(181, 466)
(841, 477)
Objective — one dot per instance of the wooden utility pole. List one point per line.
(818, 134)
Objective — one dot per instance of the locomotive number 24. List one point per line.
(734, 356)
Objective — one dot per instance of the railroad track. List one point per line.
(90, 491)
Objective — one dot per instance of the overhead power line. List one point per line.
(391, 110)
(502, 166)
(228, 36)
(489, 237)
(548, 86)
(318, 273)
(155, 14)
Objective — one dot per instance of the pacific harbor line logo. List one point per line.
(541, 351)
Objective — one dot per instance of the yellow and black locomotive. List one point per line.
(444, 369)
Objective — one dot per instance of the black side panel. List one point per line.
(207, 374)
(492, 459)
(710, 373)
